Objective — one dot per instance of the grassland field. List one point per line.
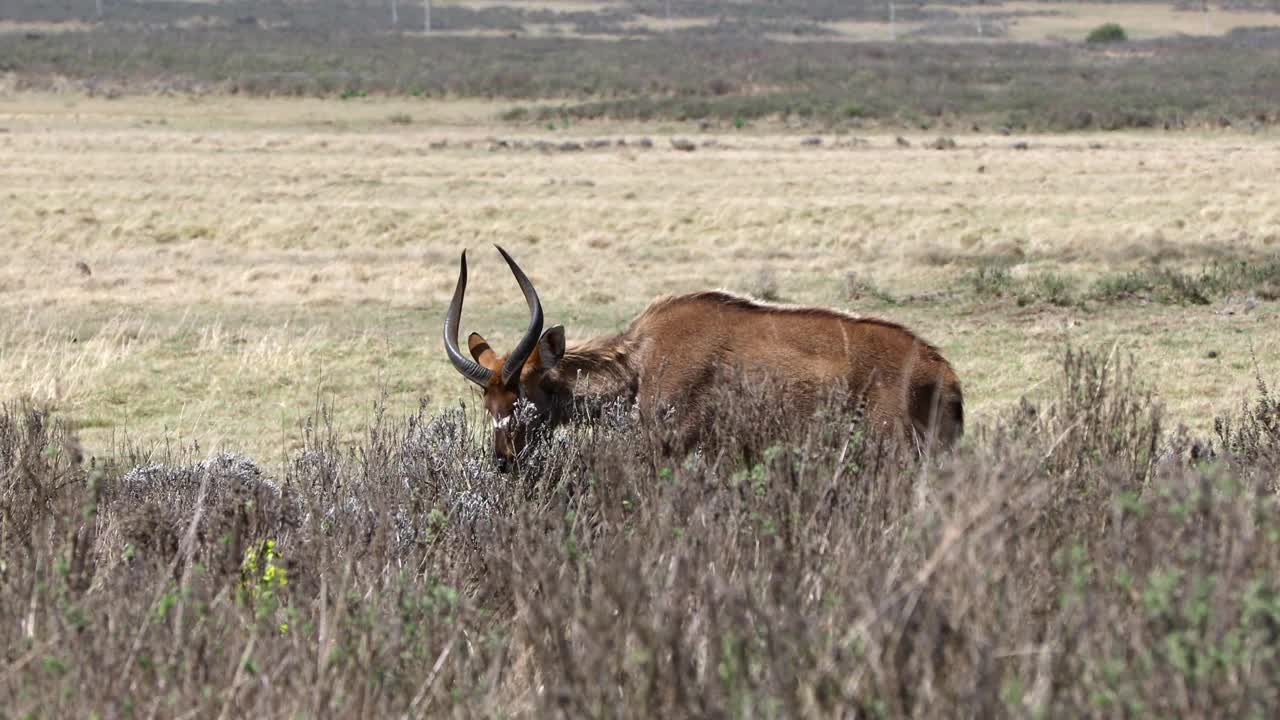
(207, 271)
(234, 481)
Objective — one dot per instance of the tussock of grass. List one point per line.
(778, 571)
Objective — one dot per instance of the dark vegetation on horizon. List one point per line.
(1073, 558)
(729, 70)
(1170, 85)
(374, 16)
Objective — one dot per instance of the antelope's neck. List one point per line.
(600, 368)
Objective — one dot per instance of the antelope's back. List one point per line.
(692, 339)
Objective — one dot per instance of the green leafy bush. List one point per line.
(1107, 33)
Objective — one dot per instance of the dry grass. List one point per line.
(220, 113)
(10, 26)
(550, 5)
(249, 257)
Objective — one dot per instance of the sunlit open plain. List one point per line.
(210, 271)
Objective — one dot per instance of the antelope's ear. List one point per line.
(482, 353)
(551, 347)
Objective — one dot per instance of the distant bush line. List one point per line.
(1172, 84)
(375, 16)
(1258, 278)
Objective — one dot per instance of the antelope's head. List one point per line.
(518, 394)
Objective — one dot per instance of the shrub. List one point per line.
(1253, 435)
(764, 285)
(519, 113)
(857, 287)
(1049, 287)
(990, 281)
(1180, 288)
(792, 565)
(1107, 33)
(1249, 278)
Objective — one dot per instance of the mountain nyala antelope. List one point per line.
(674, 357)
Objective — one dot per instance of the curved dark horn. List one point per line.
(517, 358)
(470, 369)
